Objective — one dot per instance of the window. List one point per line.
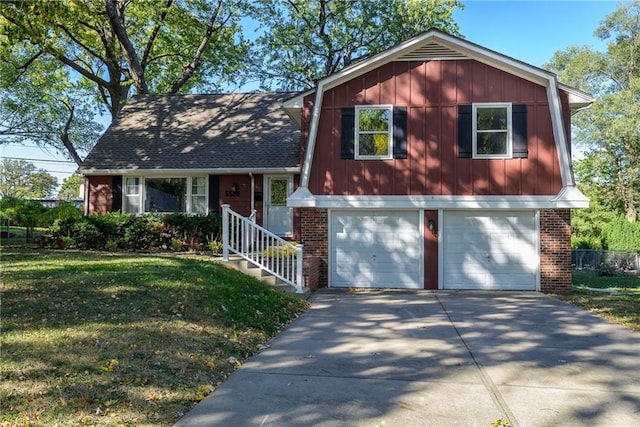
(373, 137)
(391, 143)
(131, 199)
(199, 195)
(492, 130)
(166, 194)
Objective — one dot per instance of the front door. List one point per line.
(278, 217)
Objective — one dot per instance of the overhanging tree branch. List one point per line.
(154, 34)
(64, 135)
(190, 68)
(116, 19)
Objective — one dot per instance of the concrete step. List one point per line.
(263, 276)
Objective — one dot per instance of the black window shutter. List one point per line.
(519, 123)
(116, 193)
(465, 130)
(214, 193)
(400, 132)
(347, 133)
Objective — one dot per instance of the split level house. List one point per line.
(436, 164)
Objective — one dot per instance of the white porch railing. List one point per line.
(242, 236)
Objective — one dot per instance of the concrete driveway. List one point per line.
(400, 358)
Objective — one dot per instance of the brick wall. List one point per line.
(555, 250)
(311, 272)
(100, 194)
(314, 237)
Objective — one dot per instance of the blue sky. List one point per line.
(530, 31)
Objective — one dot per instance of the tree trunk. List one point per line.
(117, 23)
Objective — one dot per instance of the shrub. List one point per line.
(279, 251)
(586, 242)
(112, 245)
(22, 212)
(215, 246)
(176, 245)
(87, 236)
(115, 231)
(64, 210)
(623, 235)
(201, 226)
(137, 235)
(607, 270)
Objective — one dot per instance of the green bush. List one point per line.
(586, 242)
(215, 246)
(64, 210)
(113, 231)
(203, 227)
(87, 236)
(623, 235)
(22, 212)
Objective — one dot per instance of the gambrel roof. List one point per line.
(437, 45)
(199, 133)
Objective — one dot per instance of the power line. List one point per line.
(40, 160)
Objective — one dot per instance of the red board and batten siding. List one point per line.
(432, 91)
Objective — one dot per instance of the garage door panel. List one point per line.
(490, 250)
(375, 249)
(513, 280)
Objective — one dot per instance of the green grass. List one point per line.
(621, 304)
(93, 338)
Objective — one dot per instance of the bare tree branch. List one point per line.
(64, 135)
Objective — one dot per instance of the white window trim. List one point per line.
(356, 128)
(474, 125)
(142, 193)
(126, 196)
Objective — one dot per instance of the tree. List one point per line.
(97, 53)
(70, 188)
(610, 130)
(40, 103)
(306, 40)
(21, 179)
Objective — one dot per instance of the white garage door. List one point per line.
(491, 250)
(375, 250)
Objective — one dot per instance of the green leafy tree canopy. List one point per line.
(97, 53)
(306, 40)
(70, 188)
(21, 179)
(609, 131)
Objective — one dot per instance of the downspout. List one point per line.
(253, 194)
(85, 191)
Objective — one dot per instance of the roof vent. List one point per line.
(431, 51)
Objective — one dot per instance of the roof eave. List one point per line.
(187, 172)
(578, 99)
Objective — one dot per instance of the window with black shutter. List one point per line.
(373, 132)
(492, 130)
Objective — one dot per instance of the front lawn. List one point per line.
(96, 338)
(620, 301)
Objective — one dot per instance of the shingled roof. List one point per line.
(203, 132)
